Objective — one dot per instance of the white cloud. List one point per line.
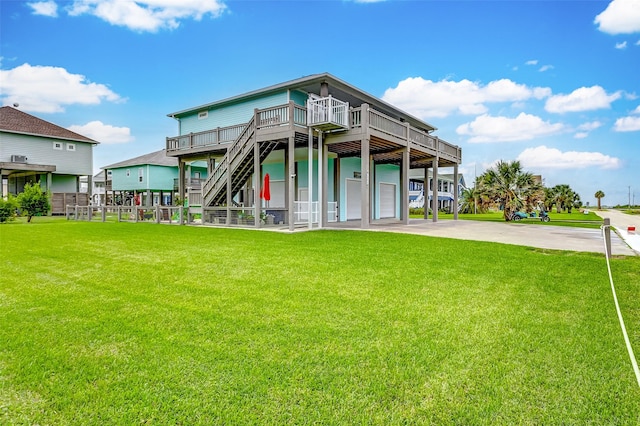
(104, 133)
(542, 157)
(532, 62)
(582, 99)
(45, 8)
(147, 15)
(620, 17)
(638, 43)
(545, 68)
(487, 128)
(428, 99)
(621, 45)
(581, 135)
(587, 127)
(627, 124)
(49, 89)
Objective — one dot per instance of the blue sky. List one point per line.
(554, 84)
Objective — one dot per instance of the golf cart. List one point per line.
(543, 216)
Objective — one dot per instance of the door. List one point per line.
(353, 198)
(303, 206)
(387, 200)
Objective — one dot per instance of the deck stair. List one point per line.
(239, 162)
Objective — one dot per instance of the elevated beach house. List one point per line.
(312, 151)
(153, 177)
(35, 150)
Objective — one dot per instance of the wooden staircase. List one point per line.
(239, 161)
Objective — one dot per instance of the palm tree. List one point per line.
(509, 186)
(563, 194)
(599, 195)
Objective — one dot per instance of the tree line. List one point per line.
(511, 189)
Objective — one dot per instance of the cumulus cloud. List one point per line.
(486, 128)
(542, 157)
(49, 89)
(545, 68)
(582, 99)
(620, 17)
(105, 133)
(592, 125)
(147, 15)
(44, 8)
(427, 99)
(627, 124)
(532, 62)
(621, 45)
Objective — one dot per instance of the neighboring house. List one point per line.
(98, 191)
(332, 152)
(153, 176)
(446, 190)
(35, 150)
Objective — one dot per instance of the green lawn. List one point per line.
(122, 323)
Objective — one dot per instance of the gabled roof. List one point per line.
(339, 89)
(13, 120)
(157, 158)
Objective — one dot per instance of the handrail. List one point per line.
(233, 151)
(206, 138)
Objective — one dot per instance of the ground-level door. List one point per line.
(353, 199)
(387, 200)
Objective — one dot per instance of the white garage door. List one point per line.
(387, 200)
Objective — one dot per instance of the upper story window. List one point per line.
(203, 114)
(57, 146)
(140, 174)
(71, 147)
(128, 173)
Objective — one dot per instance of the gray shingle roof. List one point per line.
(15, 121)
(157, 158)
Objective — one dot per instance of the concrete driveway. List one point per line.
(622, 223)
(523, 234)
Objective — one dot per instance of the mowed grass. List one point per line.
(120, 323)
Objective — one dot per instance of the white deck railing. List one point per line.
(301, 212)
(321, 111)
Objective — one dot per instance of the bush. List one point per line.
(33, 201)
(7, 208)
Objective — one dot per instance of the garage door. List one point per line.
(387, 200)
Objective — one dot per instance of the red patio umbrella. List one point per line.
(265, 191)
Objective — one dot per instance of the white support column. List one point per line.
(455, 191)
(425, 190)
(321, 188)
(291, 173)
(324, 200)
(434, 204)
(365, 188)
(310, 179)
(257, 183)
(404, 185)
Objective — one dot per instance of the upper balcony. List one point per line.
(323, 114)
(327, 113)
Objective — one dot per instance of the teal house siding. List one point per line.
(230, 114)
(300, 98)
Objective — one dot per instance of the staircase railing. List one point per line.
(217, 180)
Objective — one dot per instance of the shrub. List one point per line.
(7, 208)
(33, 201)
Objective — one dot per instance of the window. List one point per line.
(203, 114)
(57, 146)
(71, 147)
(140, 174)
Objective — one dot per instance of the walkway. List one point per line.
(622, 222)
(547, 237)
